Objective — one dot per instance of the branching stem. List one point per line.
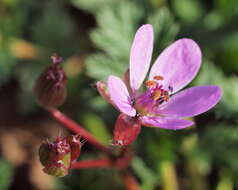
(76, 128)
(129, 180)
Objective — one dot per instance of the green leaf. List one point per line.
(227, 8)
(226, 181)
(92, 5)
(100, 66)
(58, 29)
(97, 127)
(6, 171)
(6, 65)
(165, 28)
(188, 10)
(222, 140)
(114, 36)
(116, 29)
(148, 177)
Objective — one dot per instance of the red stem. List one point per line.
(91, 164)
(129, 181)
(73, 126)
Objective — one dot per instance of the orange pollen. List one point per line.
(158, 78)
(150, 83)
(156, 95)
(166, 98)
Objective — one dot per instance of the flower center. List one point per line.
(152, 97)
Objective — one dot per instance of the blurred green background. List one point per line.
(94, 37)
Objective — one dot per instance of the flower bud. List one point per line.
(75, 145)
(50, 88)
(57, 156)
(126, 130)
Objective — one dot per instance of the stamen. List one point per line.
(158, 78)
(150, 83)
(166, 96)
(156, 95)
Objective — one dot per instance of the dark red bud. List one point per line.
(57, 156)
(126, 130)
(50, 88)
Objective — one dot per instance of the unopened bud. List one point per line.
(126, 130)
(75, 146)
(57, 156)
(50, 87)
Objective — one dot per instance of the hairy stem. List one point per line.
(73, 126)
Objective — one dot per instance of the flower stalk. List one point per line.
(112, 161)
(76, 128)
(105, 163)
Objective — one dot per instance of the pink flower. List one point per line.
(160, 105)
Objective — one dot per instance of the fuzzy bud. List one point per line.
(57, 156)
(50, 88)
(126, 130)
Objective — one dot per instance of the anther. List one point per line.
(158, 78)
(150, 83)
(166, 96)
(156, 95)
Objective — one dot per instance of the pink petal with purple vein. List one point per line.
(192, 101)
(120, 96)
(178, 64)
(166, 123)
(140, 55)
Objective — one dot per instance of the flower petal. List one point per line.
(192, 101)
(166, 123)
(178, 64)
(120, 96)
(140, 55)
(126, 79)
(102, 89)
